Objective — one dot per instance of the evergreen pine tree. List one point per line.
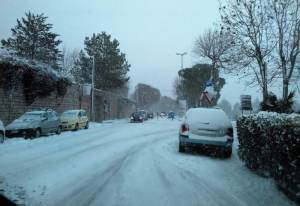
(32, 39)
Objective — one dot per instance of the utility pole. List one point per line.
(137, 97)
(93, 90)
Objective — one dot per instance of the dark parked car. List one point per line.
(34, 123)
(136, 117)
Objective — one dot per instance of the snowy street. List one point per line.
(123, 163)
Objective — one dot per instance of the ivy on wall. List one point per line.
(38, 80)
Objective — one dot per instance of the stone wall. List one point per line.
(13, 104)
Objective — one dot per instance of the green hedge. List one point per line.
(269, 144)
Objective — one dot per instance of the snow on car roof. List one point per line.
(208, 115)
(35, 112)
(72, 111)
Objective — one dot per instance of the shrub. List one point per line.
(39, 80)
(269, 144)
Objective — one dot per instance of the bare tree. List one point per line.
(250, 28)
(68, 60)
(211, 45)
(287, 33)
(145, 95)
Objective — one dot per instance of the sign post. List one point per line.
(246, 103)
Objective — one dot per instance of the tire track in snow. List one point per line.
(83, 196)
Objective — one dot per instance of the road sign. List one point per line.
(246, 102)
(209, 84)
(209, 96)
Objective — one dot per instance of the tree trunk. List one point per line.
(285, 88)
(265, 83)
(212, 71)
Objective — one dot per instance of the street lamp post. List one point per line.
(93, 90)
(181, 71)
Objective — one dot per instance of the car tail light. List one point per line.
(184, 128)
(230, 132)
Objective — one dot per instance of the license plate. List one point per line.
(206, 132)
(14, 131)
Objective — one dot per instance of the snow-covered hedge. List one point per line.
(269, 144)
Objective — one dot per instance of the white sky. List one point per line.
(150, 33)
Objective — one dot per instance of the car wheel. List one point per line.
(87, 125)
(76, 127)
(228, 152)
(1, 138)
(181, 148)
(58, 131)
(37, 133)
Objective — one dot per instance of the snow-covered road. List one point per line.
(122, 163)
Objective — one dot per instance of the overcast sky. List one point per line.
(150, 33)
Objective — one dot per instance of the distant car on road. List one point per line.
(136, 117)
(208, 128)
(34, 123)
(144, 113)
(2, 132)
(150, 115)
(74, 119)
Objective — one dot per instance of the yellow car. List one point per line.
(74, 119)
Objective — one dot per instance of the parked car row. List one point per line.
(36, 122)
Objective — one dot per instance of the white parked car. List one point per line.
(206, 128)
(2, 132)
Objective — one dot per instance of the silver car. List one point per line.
(209, 128)
(34, 123)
